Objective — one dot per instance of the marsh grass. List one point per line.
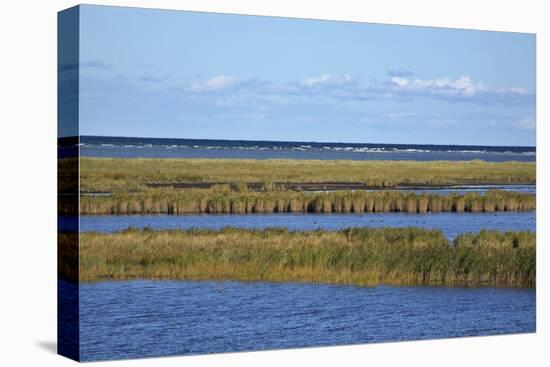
(359, 256)
(112, 174)
(221, 199)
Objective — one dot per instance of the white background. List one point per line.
(28, 182)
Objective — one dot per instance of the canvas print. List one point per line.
(240, 183)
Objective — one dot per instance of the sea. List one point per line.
(135, 147)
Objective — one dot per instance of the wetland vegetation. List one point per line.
(223, 200)
(131, 174)
(359, 256)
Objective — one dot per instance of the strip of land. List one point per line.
(135, 174)
(304, 186)
(225, 201)
(358, 256)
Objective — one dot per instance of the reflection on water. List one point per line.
(452, 224)
(151, 318)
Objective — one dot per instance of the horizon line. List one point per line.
(298, 141)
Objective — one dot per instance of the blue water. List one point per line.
(446, 191)
(202, 148)
(134, 319)
(465, 189)
(452, 224)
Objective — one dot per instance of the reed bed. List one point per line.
(224, 201)
(111, 174)
(358, 256)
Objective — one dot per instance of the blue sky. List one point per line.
(180, 74)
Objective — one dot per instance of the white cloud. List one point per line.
(327, 80)
(399, 81)
(315, 80)
(461, 89)
(213, 84)
(462, 86)
(230, 91)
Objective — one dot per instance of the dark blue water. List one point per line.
(201, 148)
(452, 224)
(152, 318)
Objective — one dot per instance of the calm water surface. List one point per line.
(133, 319)
(446, 191)
(480, 189)
(452, 224)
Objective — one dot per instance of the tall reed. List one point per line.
(360, 256)
(218, 201)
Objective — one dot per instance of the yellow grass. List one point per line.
(360, 256)
(216, 201)
(112, 174)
